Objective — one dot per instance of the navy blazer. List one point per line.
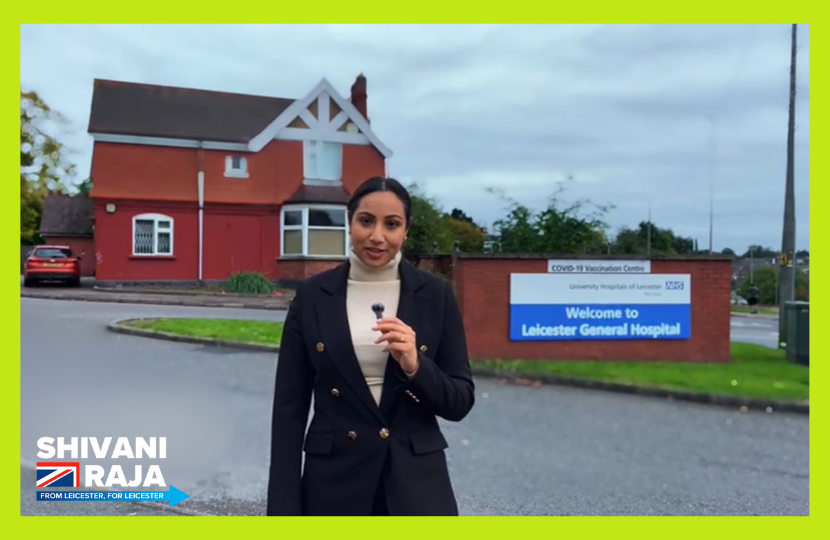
(352, 443)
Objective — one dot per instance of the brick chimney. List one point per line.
(359, 97)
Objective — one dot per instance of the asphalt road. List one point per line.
(758, 330)
(521, 451)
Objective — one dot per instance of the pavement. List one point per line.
(550, 450)
(88, 293)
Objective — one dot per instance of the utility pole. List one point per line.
(648, 244)
(786, 281)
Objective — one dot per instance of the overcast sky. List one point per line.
(632, 113)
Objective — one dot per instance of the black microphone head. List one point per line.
(378, 308)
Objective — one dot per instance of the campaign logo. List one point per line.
(674, 285)
(54, 474)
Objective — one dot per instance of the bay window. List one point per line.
(314, 230)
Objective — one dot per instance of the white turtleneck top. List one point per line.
(366, 286)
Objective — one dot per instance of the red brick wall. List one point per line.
(240, 239)
(114, 243)
(139, 172)
(81, 246)
(299, 269)
(242, 236)
(483, 291)
(359, 164)
(236, 239)
(437, 264)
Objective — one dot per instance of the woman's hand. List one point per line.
(401, 342)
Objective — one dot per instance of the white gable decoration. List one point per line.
(322, 127)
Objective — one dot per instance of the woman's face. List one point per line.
(378, 228)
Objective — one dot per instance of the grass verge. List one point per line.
(228, 329)
(761, 310)
(755, 371)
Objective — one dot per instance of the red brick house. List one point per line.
(196, 185)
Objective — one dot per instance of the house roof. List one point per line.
(319, 194)
(65, 215)
(180, 113)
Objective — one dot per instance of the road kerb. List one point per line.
(120, 326)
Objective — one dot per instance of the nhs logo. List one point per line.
(674, 285)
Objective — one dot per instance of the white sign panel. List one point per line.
(582, 266)
(552, 307)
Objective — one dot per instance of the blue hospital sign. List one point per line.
(568, 307)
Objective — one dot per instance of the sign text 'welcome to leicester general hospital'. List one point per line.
(586, 306)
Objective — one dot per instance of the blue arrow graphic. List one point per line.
(173, 495)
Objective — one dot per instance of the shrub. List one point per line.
(249, 283)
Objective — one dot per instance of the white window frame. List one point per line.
(155, 218)
(305, 228)
(231, 172)
(313, 176)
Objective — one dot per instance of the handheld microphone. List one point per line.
(378, 308)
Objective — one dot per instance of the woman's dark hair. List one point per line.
(378, 183)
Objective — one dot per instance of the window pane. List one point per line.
(330, 161)
(236, 162)
(326, 242)
(293, 217)
(52, 253)
(293, 243)
(164, 224)
(326, 218)
(164, 243)
(143, 242)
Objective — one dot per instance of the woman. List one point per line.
(381, 346)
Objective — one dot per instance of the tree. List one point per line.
(728, 251)
(85, 187)
(663, 241)
(433, 230)
(43, 169)
(559, 228)
(569, 229)
(766, 279)
(428, 226)
(760, 252)
(628, 241)
(460, 215)
(469, 237)
(803, 253)
(517, 232)
(683, 245)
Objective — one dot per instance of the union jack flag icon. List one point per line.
(55, 474)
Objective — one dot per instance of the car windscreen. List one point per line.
(52, 253)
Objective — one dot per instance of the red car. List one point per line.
(52, 263)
